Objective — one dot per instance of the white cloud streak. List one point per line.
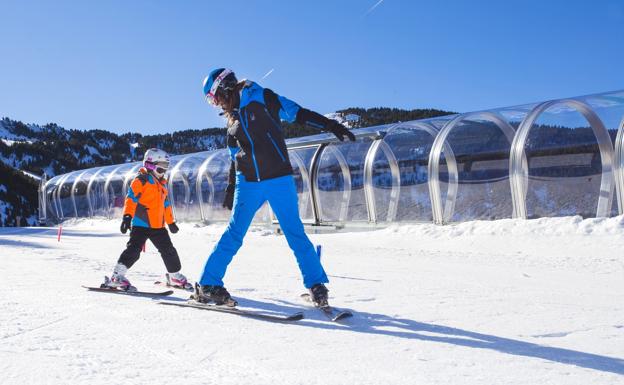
(373, 7)
(268, 73)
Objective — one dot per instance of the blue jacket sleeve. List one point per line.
(285, 109)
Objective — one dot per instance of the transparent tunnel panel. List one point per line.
(481, 151)
(609, 108)
(50, 193)
(340, 182)
(212, 181)
(80, 187)
(301, 159)
(183, 177)
(96, 195)
(564, 165)
(64, 196)
(411, 147)
(114, 188)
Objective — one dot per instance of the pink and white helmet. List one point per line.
(156, 161)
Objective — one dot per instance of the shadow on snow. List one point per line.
(380, 324)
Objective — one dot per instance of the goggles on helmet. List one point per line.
(211, 96)
(159, 167)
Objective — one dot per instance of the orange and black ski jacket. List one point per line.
(147, 201)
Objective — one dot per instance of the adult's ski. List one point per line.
(236, 311)
(334, 314)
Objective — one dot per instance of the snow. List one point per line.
(93, 151)
(8, 135)
(501, 302)
(105, 144)
(29, 174)
(9, 142)
(349, 120)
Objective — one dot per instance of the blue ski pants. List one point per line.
(281, 193)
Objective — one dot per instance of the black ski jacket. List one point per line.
(256, 139)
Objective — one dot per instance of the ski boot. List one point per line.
(118, 280)
(318, 295)
(178, 280)
(213, 294)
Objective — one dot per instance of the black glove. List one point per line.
(126, 223)
(228, 201)
(173, 228)
(339, 130)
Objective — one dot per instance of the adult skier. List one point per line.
(146, 211)
(260, 171)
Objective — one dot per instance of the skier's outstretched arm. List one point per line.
(291, 112)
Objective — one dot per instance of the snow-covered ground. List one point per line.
(505, 302)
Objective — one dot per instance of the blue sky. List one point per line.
(138, 65)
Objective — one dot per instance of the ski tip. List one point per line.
(342, 316)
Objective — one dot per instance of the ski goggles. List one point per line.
(211, 96)
(160, 167)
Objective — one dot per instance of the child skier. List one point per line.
(260, 171)
(146, 211)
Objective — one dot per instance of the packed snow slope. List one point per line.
(505, 302)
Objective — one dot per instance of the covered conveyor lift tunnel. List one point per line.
(555, 158)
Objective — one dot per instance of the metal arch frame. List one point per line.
(519, 172)
(43, 204)
(443, 215)
(187, 188)
(618, 168)
(305, 177)
(128, 177)
(89, 186)
(203, 171)
(369, 190)
(52, 198)
(433, 131)
(314, 165)
(344, 167)
(58, 195)
(73, 192)
(109, 178)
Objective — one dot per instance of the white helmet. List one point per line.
(156, 161)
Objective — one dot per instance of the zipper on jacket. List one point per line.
(253, 155)
(276, 147)
(277, 125)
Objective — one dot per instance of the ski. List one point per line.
(332, 313)
(236, 311)
(131, 293)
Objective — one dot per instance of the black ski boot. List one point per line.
(213, 294)
(318, 295)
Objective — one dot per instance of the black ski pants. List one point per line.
(160, 239)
